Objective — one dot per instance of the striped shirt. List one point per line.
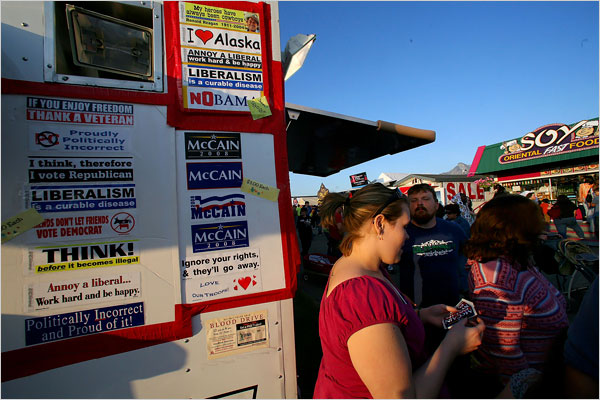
(523, 313)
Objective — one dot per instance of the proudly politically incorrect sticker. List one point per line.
(74, 140)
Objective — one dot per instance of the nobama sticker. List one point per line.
(81, 323)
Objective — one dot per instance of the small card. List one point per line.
(20, 223)
(260, 189)
(259, 108)
(465, 308)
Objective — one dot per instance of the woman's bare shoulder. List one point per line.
(344, 270)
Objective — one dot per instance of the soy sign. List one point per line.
(551, 140)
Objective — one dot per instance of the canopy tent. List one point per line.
(321, 143)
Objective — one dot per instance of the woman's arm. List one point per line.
(459, 340)
(380, 356)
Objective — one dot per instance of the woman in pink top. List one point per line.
(372, 339)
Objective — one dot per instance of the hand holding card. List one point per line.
(465, 308)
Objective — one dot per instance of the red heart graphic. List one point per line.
(205, 36)
(245, 282)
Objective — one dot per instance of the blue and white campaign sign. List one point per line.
(221, 236)
(230, 242)
(214, 175)
(80, 323)
(82, 197)
(213, 145)
(218, 207)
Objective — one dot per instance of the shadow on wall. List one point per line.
(106, 377)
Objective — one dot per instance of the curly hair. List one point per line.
(358, 209)
(507, 226)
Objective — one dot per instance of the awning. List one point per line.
(549, 144)
(322, 143)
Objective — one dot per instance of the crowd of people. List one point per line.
(564, 212)
(386, 340)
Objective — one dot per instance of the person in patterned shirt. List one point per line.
(523, 312)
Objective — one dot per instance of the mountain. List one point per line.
(460, 169)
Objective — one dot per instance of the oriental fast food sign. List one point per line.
(551, 140)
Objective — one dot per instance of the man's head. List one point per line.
(452, 211)
(252, 22)
(423, 203)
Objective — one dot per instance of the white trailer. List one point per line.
(148, 245)
(164, 267)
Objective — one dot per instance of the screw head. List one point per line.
(25, 59)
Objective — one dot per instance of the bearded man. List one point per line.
(431, 268)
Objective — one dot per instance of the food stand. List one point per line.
(550, 160)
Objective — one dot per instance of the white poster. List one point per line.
(221, 53)
(237, 334)
(214, 275)
(230, 241)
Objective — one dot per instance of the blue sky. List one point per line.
(477, 73)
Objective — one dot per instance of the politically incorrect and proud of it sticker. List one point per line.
(81, 323)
